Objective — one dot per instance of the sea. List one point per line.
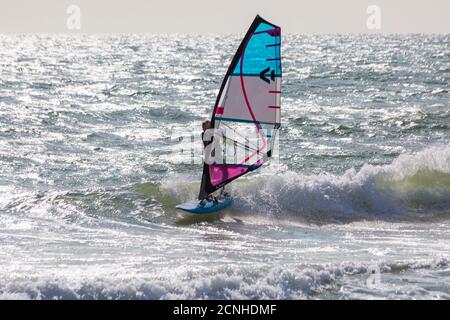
(100, 139)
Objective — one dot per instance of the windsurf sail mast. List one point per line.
(246, 115)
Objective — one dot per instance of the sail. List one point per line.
(246, 115)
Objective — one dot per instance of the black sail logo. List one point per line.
(263, 73)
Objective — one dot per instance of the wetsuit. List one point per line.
(205, 185)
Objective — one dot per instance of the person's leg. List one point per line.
(202, 194)
(205, 183)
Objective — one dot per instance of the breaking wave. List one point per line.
(411, 184)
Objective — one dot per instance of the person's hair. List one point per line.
(206, 125)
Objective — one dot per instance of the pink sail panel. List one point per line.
(219, 173)
(222, 172)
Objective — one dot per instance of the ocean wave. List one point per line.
(287, 282)
(414, 186)
(411, 184)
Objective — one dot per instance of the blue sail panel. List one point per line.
(263, 27)
(261, 52)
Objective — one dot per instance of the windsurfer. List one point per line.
(205, 177)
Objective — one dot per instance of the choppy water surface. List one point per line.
(358, 205)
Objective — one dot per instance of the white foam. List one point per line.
(411, 182)
(287, 282)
